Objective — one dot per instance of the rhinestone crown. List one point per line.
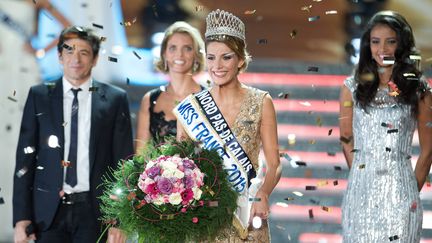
(220, 22)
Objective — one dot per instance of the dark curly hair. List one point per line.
(409, 86)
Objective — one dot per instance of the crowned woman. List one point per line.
(235, 120)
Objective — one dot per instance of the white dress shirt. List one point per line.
(84, 124)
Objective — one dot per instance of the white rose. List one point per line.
(148, 181)
(197, 193)
(168, 173)
(167, 165)
(175, 198)
(159, 200)
(178, 174)
(150, 164)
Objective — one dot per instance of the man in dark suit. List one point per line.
(72, 131)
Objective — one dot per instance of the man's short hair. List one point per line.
(78, 32)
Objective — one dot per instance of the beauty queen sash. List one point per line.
(203, 121)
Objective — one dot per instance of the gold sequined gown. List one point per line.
(247, 131)
(382, 202)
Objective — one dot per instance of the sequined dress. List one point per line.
(247, 131)
(382, 202)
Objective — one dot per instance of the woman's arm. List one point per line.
(425, 137)
(268, 131)
(345, 123)
(143, 124)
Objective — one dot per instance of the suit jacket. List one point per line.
(38, 176)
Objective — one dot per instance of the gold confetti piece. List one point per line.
(306, 8)
(40, 168)
(64, 124)
(97, 26)
(322, 183)
(327, 209)
(250, 11)
(93, 89)
(291, 139)
(283, 95)
(14, 93)
(314, 18)
(289, 198)
(282, 204)
(2, 200)
(392, 131)
(310, 188)
(330, 132)
(318, 121)
(347, 104)
(293, 34)
(199, 8)
(21, 172)
(415, 57)
(331, 12)
(338, 168)
(335, 183)
(312, 141)
(297, 193)
(300, 163)
(362, 166)
(103, 38)
(392, 238)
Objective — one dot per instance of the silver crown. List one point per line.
(220, 22)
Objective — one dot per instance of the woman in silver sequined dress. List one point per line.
(381, 106)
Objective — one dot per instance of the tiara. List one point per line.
(220, 22)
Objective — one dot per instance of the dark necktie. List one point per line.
(71, 170)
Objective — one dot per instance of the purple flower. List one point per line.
(188, 182)
(165, 186)
(153, 172)
(188, 164)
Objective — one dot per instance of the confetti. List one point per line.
(199, 8)
(53, 141)
(282, 204)
(415, 57)
(362, 166)
(388, 60)
(289, 199)
(93, 89)
(330, 153)
(297, 193)
(306, 8)
(311, 216)
(330, 12)
(254, 199)
(84, 5)
(409, 75)
(21, 172)
(312, 69)
(338, 168)
(388, 149)
(322, 183)
(65, 163)
(318, 121)
(347, 104)
(335, 183)
(1, 200)
(392, 131)
(330, 132)
(314, 18)
(312, 142)
(305, 103)
(345, 140)
(262, 41)
(136, 54)
(283, 95)
(250, 11)
(97, 26)
(392, 238)
(112, 59)
(103, 38)
(40, 167)
(291, 139)
(300, 163)
(29, 150)
(64, 124)
(293, 34)
(311, 188)
(12, 99)
(327, 209)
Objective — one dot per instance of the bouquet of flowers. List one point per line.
(172, 192)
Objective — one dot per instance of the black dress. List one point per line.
(159, 127)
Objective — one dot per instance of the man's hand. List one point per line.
(20, 235)
(116, 235)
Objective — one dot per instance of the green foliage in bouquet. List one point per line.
(124, 201)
